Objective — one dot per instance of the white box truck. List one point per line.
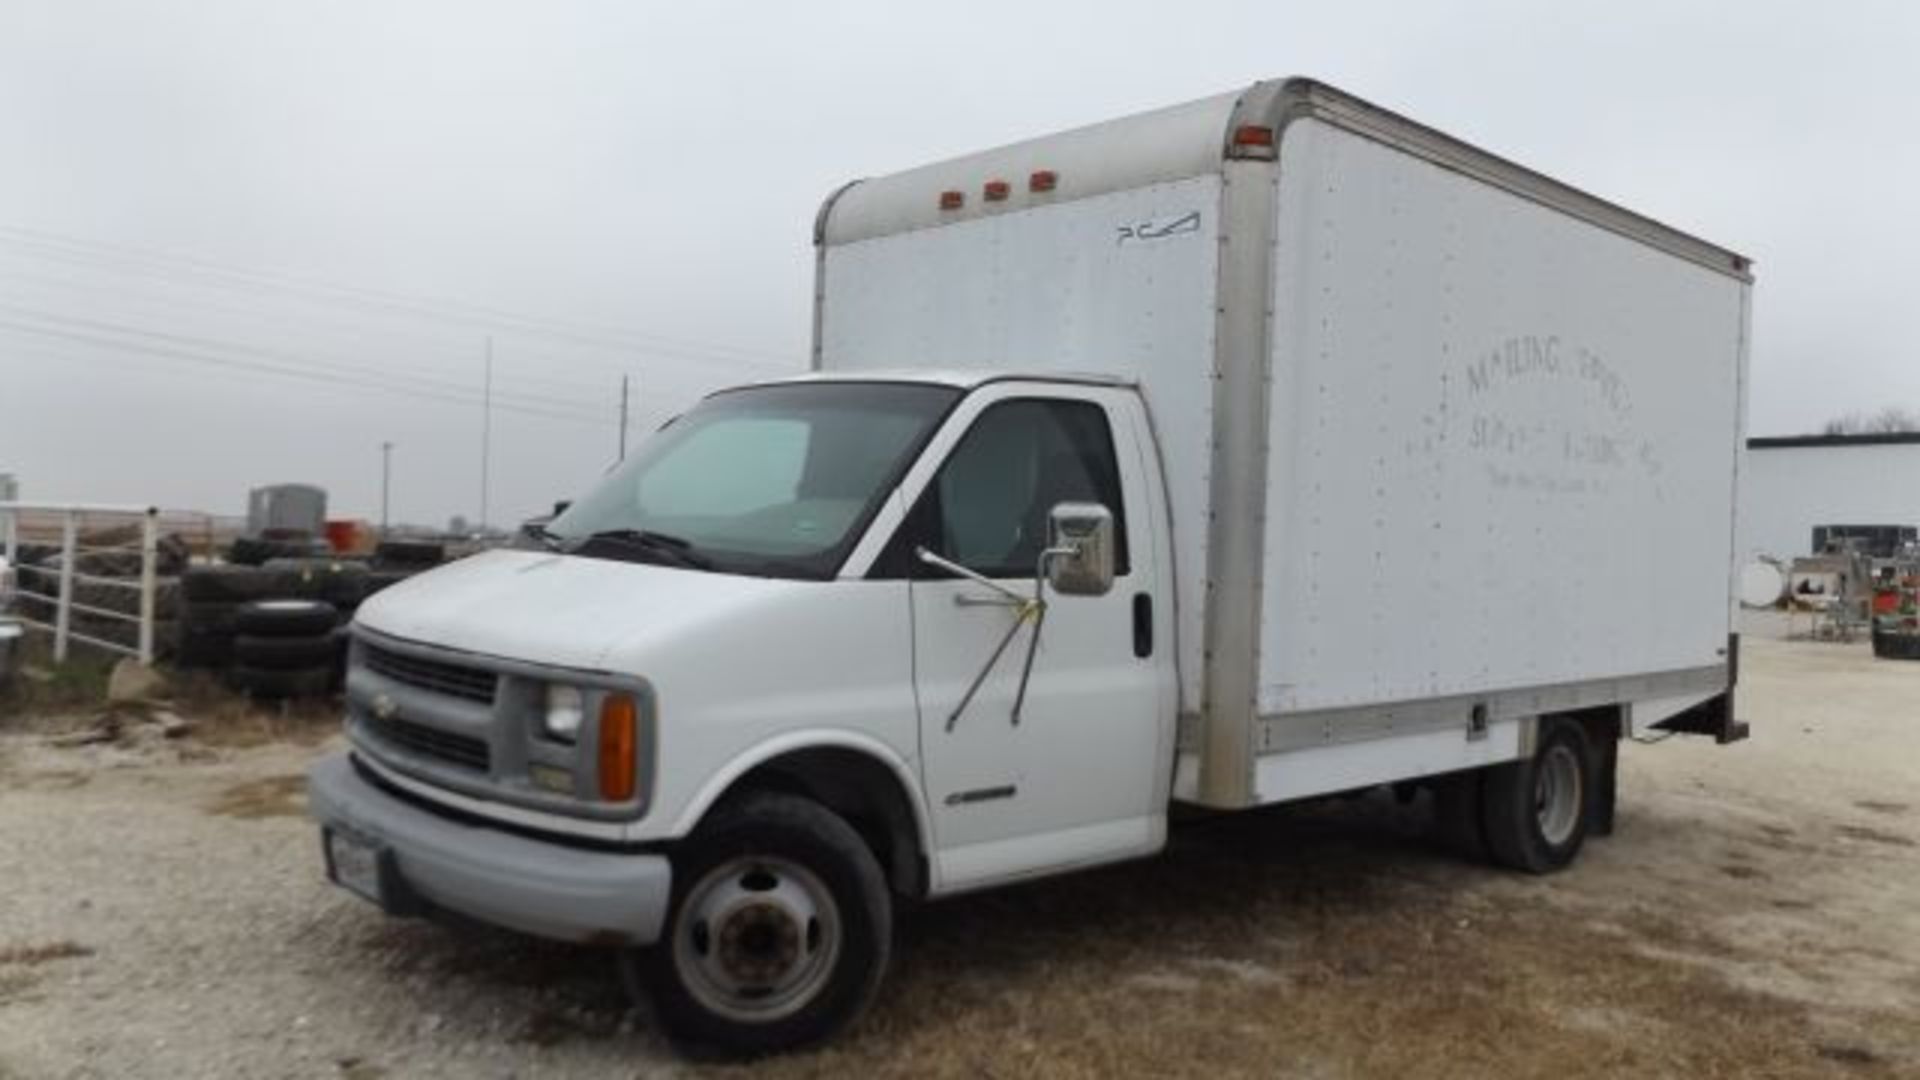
(1246, 451)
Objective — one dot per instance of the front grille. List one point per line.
(439, 676)
(463, 750)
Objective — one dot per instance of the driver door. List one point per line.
(1072, 779)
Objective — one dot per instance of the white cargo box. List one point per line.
(1447, 443)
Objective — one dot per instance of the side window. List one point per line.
(987, 507)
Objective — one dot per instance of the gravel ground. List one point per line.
(162, 914)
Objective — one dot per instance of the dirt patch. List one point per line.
(1781, 839)
(1743, 872)
(551, 1026)
(15, 984)
(55, 779)
(274, 796)
(1880, 806)
(35, 955)
(1847, 1055)
(1874, 836)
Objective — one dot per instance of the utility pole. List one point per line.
(486, 433)
(386, 481)
(623, 418)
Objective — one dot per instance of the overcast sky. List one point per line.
(246, 241)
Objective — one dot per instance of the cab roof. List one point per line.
(958, 378)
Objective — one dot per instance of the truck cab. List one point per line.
(872, 595)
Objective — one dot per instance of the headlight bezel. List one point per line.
(563, 712)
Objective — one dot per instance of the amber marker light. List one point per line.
(619, 747)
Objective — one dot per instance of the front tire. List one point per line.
(779, 931)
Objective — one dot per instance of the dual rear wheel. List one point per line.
(1533, 814)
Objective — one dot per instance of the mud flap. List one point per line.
(1713, 716)
(1456, 814)
(1606, 786)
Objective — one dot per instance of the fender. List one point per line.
(789, 742)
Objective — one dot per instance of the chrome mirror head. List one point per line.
(1079, 558)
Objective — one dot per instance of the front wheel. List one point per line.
(779, 931)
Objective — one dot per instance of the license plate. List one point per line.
(356, 865)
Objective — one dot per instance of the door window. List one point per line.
(987, 508)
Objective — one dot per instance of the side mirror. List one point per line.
(1079, 560)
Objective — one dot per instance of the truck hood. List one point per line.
(565, 610)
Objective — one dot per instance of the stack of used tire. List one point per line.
(261, 623)
(407, 557)
(286, 648)
(258, 550)
(213, 597)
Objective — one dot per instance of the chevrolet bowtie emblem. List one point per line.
(384, 707)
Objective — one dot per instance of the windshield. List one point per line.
(771, 480)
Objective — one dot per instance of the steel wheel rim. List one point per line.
(757, 938)
(1558, 794)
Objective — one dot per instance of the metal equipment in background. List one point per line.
(284, 509)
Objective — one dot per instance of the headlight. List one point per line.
(566, 710)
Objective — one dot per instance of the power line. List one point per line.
(117, 346)
(138, 260)
(357, 330)
(374, 376)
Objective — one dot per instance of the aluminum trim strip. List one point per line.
(1279, 733)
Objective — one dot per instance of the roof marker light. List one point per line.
(1043, 180)
(952, 200)
(1252, 135)
(995, 191)
(1252, 142)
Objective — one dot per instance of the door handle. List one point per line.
(991, 600)
(1142, 625)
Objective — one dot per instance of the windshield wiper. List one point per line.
(538, 530)
(675, 550)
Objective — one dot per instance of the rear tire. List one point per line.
(1536, 812)
(285, 653)
(778, 934)
(273, 684)
(285, 618)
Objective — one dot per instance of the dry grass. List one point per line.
(43, 687)
(224, 718)
(72, 696)
(1321, 942)
(274, 796)
(1263, 951)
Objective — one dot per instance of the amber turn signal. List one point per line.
(619, 747)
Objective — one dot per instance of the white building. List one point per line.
(1793, 483)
